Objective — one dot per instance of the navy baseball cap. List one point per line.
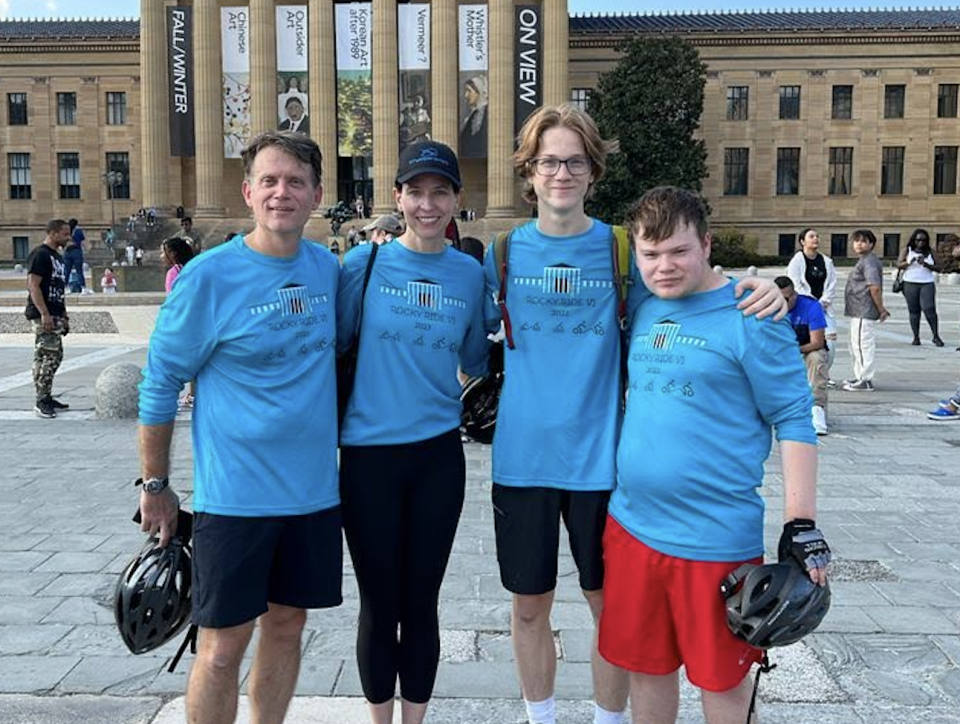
(429, 157)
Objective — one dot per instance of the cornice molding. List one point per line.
(742, 39)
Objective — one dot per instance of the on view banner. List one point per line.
(416, 106)
(293, 108)
(528, 63)
(474, 55)
(235, 46)
(354, 79)
(180, 73)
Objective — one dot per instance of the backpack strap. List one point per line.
(621, 272)
(501, 247)
(363, 290)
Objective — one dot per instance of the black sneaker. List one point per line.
(44, 408)
(57, 405)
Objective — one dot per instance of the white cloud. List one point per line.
(4, 9)
(51, 5)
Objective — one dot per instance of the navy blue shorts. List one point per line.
(240, 564)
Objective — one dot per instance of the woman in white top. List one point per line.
(918, 263)
(813, 274)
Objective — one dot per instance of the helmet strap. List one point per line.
(765, 667)
(190, 639)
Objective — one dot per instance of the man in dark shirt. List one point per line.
(808, 321)
(46, 309)
(73, 258)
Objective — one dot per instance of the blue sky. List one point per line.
(131, 8)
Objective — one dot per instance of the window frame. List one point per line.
(782, 168)
(116, 108)
(68, 191)
(894, 94)
(945, 170)
(841, 108)
(20, 176)
(887, 167)
(15, 119)
(66, 112)
(738, 103)
(840, 171)
(947, 95)
(736, 171)
(118, 161)
(789, 102)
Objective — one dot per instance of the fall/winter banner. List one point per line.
(354, 79)
(292, 75)
(235, 45)
(473, 34)
(527, 63)
(180, 73)
(416, 107)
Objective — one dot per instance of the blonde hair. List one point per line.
(568, 116)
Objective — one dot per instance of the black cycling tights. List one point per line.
(401, 505)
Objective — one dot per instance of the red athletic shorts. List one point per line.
(660, 612)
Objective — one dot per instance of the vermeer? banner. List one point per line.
(528, 63)
(354, 79)
(180, 73)
(474, 54)
(293, 107)
(235, 46)
(416, 108)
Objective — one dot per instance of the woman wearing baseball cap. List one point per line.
(402, 471)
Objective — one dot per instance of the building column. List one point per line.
(386, 105)
(155, 114)
(500, 174)
(208, 110)
(323, 97)
(556, 52)
(444, 64)
(263, 66)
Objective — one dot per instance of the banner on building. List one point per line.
(180, 73)
(474, 55)
(416, 107)
(527, 63)
(293, 81)
(354, 79)
(235, 48)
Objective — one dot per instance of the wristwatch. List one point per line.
(153, 485)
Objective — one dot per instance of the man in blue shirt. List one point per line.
(810, 325)
(259, 341)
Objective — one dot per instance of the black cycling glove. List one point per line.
(803, 543)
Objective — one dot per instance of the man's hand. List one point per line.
(884, 314)
(158, 513)
(764, 300)
(46, 320)
(803, 543)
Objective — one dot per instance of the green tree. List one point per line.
(651, 102)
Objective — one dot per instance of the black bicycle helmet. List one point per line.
(773, 605)
(152, 598)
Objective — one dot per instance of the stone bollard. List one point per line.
(18, 268)
(117, 393)
(953, 279)
(718, 269)
(751, 271)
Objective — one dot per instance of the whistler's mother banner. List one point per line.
(354, 79)
(416, 107)
(474, 54)
(180, 74)
(293, 78)
(527, 63)
(235, 46)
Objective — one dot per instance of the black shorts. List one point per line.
(527, 523)
(239, 564)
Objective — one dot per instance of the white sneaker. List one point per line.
(819, 420)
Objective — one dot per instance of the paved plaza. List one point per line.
(889, 502)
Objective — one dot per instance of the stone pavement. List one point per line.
(889, 500)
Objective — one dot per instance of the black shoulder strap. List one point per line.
(501, 249)
(363, 291)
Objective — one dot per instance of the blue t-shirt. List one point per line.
(258, 334)
(706, 385)
(422, 315)
(806, 317)
(559, 413)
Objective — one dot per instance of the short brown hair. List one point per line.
(54, 225)
(662, 210)
(864, 235)
(569, 116)
(301, 147)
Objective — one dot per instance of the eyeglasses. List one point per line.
(576, 166)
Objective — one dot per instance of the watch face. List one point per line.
(154, 485)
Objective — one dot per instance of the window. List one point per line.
(842, 102)
(17, 109)
(893, 100)
(891, 245)
(788, 171)
(738, 103)
(789, 102)
(579, 97)
(69, 167)
(116, 109)
(841, 172)
(945, 170)
(786, 243)
(891, 170)
(838, 246)
(947, 100)
(66, 109)
(736, 164)
(119, 162)
(20, 183)
(21, 247)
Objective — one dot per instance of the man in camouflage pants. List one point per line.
(46, 309)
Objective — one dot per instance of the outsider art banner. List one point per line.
(354, 79)
(416, 109)
(292, 76)
(180, 73)
(528, 64)
(473, 32)
(235, 45)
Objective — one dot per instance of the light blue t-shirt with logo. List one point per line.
(258, 334)
(559, 414)
(422, 317)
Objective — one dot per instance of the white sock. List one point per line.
(602, 716)
(542, 712)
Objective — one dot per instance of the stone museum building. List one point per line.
(831, 119)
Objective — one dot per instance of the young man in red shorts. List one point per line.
(686, 510)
